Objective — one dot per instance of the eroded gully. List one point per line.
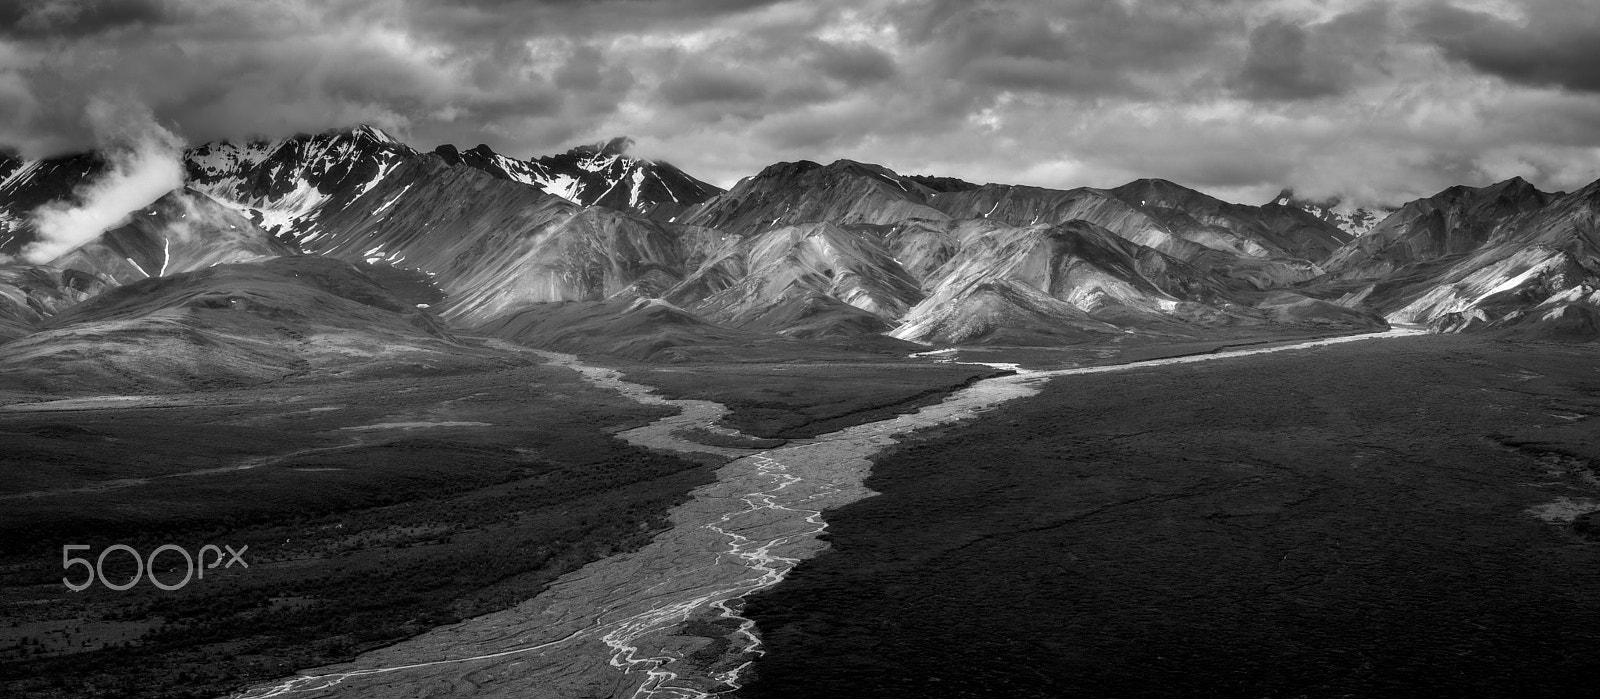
(610, 628)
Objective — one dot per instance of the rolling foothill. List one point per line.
(450, 422)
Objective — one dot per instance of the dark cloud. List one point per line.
(44, 19)
(852, 63)
(1276, 67)
(817, 129)
(582, 69)
(478, 20)
(1558, 45)
(1076, 46)
(1289, 61)
(1238, 95)
(1230, 156)
(699, 83)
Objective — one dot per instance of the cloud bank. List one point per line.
(143, 162)
(1374, 100)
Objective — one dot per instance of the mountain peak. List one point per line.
(1287, 197)
(617, 145)
(785, 169)
(1159, 188)
(873, 168)
(1515, 185)
(366, 131)
(1355, 221)
(1157, 182)
(595, 174)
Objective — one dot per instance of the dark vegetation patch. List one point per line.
(724, 648)
(802, 399)
(704, 436)
(357, 538)
(1136, 348)
(1333, 522)
(1588, 526)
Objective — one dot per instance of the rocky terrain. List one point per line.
(804, 250)
(438, 386)
(1357, 221)
(602, 174)
(1506, 259)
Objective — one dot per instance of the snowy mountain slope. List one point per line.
(183, 231)
(284, 185)
(29, 184)
(602, 174)
(809, 250)
(814, 250)
(491, 243)
(1492, 286)
(1354, 221)
(1455, 221)
(1537, 263)
(9, 162)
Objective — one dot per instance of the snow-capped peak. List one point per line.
(372, 132)
(1357, 221)
(598, 174)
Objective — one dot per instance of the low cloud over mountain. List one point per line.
(1374, 102)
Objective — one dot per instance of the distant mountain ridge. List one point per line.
(1356, 221)
(181, 232)
(805, 251)
(1504, 258)
(601, 174)
(29, 184)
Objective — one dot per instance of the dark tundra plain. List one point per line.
(1401, 517)
(373, 509)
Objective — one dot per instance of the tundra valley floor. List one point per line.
(373, 510)
(1391, 518)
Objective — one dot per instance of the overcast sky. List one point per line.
(1378, 101)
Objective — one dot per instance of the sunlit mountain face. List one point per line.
(585, 425)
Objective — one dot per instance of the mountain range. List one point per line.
(596, 250)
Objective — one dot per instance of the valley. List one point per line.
(1411, 516)
(373, 510)
(665, 620)
(583, 425)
